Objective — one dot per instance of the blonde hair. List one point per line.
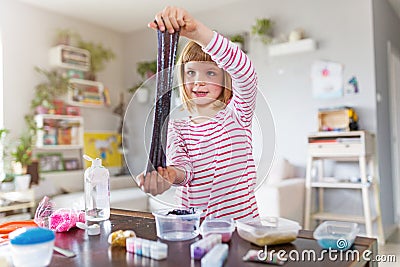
(193, 52)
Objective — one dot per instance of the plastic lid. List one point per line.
(217, 226)
(268, 225)
(29, 236)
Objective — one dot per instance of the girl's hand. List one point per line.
(157, 182)
(172, 19)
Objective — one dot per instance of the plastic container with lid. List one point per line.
(174, 227)
(31, 246)
(224, 227)
(336, 235)
(268, 231)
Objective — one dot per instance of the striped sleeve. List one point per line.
(229, 57)
(177, 154)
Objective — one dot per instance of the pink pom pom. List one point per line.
(64, 219)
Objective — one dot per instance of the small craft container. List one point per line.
(224, 227)
(268, 231)
(336, 235)
(31, 246)
(174, 227)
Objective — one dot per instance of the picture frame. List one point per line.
(50, 162)
(103, 145)
(71, 164)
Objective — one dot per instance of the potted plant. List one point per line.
(46, 92)
(99, 55)
(263, 29)
(238, 39)
(64, 36)
(22, 154)
(145, 69)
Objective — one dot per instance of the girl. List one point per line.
(210, 153)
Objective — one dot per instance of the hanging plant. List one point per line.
(145, 69)
(99, 55)
(263, 29)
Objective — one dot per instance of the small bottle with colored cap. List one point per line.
(97, 191)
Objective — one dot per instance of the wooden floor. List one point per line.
(391, 247)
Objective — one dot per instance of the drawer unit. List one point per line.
(335, 150)
(338, 144)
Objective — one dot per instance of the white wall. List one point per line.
(386, 28)
(27, 34)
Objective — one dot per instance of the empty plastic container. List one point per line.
(224, 227)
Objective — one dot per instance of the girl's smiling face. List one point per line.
(203, 82)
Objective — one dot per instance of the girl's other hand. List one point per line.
(157, 182)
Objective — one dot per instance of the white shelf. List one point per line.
(340, 217)
(68, 57)
(85, 93)
(50, 130)
(347, 185)
(304, 45)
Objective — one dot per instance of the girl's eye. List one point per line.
(190, 73)
(211, 73)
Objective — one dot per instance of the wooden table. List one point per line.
(95, 251)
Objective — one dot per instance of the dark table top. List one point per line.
(95, 251)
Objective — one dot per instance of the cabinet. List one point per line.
(357, 146)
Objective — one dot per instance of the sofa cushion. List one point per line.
(281, 169)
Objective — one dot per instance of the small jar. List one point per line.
(31, 246)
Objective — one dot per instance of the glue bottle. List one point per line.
(97, 191)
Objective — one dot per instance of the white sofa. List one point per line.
(282, 194)
(66, 191)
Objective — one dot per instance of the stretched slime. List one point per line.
(167, 48)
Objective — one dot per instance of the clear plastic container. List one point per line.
(336, 235)
(177, 227)
(224, 227)
(31, 246)
(268, 231)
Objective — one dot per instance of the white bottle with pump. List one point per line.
(97, 191)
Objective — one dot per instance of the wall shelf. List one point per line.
(304, 45)
(59, 131)
(85, 93)
(69, 57)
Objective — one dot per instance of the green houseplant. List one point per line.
(99, 56)
(263, 29)
(22, 153)
(145, 69)
(45, 92)
(239, 40)
(64, 36)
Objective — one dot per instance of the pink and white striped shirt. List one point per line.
(217, 154)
